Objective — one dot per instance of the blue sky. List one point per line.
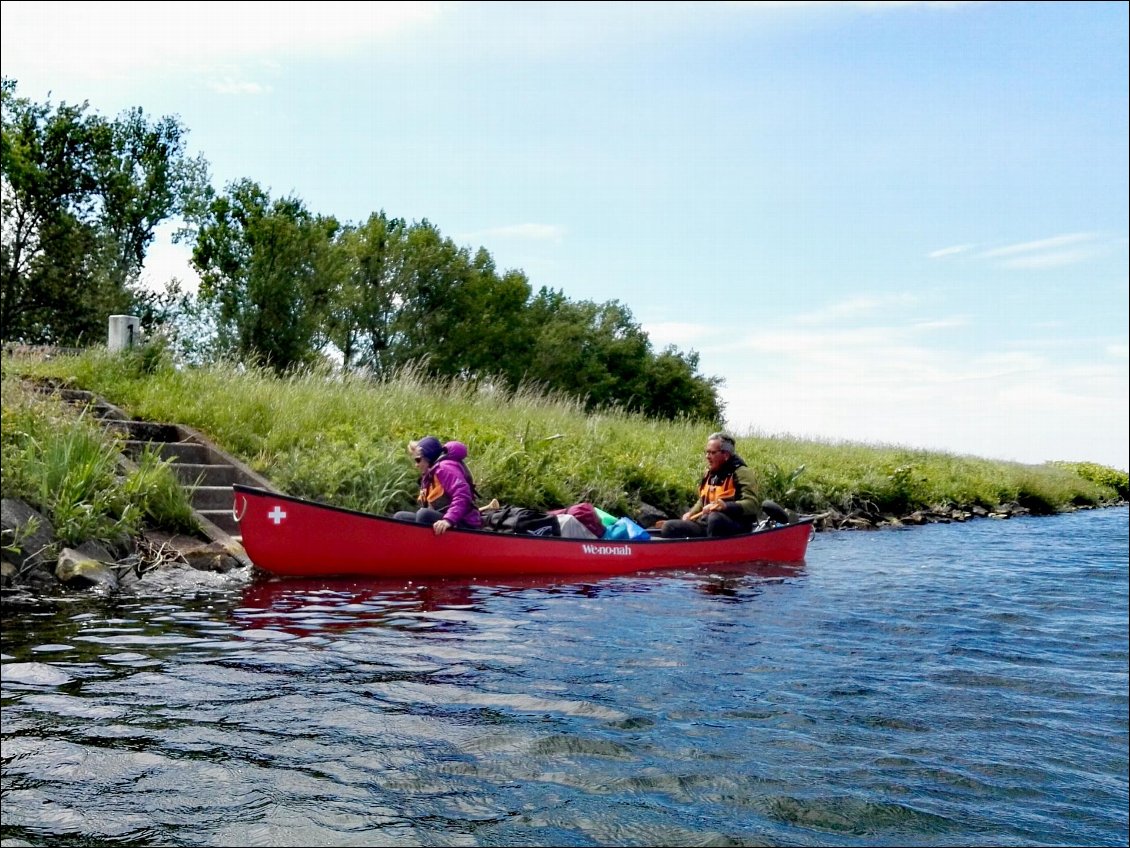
(891, 223)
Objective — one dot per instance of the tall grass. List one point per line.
(342, 438)
(68, 467)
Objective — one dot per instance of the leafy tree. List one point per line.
(143, 176)
(431, 299)
(82, 197)
(597, 351)
(674, 388)
(363, 311)
(589, 350)
(269, 268)
(44, 165)
(493, 328)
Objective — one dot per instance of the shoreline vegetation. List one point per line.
(340, 438)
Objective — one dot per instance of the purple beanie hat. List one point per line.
(429, 448)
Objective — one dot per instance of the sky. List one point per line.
(886, 223)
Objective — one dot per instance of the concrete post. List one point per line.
(125, 332)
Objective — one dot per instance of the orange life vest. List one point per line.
(720, 490)
(433, 495)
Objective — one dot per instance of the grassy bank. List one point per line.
(70, 469)
(341, 439)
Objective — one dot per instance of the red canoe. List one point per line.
(293, 537)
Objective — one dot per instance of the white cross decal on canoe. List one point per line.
(276, 515)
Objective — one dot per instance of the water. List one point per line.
(943, 685)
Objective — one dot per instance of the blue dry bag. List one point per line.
(626, 530)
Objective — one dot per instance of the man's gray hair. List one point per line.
(726, 442)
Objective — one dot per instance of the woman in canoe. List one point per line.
(447, 490)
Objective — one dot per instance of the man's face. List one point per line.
(715, 456)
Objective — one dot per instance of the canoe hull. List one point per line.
(293, 537)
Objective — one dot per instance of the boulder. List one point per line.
(649, 515)
(210, 557)
(77, 569)
(28, 530)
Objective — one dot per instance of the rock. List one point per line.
(96, 550)
(177, 577)
(210, 557)
(649, 515)
(40, 579)
(197, 553)
(128, 581)
(76, 569)
(16, 519)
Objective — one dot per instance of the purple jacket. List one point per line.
(446, 486)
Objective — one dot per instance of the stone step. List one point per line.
(144, 431)
(83, 399)
(188, 452)
(212, 497)
(222, 518)
(200, 474)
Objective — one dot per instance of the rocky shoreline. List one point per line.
(31, 569)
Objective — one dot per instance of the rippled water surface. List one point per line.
(943, 685)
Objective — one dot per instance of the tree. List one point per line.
(269, 268)
(45, 175)
(81, 200)
(143, 176)
(674, 388)
(598, 352)
(365, 305)
(430, 301)
(492, 328)
(588, 350)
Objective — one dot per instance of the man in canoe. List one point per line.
(727, 496)
(447, 490)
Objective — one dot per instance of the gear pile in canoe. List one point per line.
(294, 537)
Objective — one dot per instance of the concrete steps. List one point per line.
(206, 472)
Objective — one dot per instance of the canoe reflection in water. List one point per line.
(323, 605)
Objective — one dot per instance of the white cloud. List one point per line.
(234, 87)
(1053, 259)
(1054, 252)
(942, 323)
(855, 307)
(526, 232)
(682, 334)
(999, 364)
(890, 386)
(1040, 246)
(117, 39)
(949, 251)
